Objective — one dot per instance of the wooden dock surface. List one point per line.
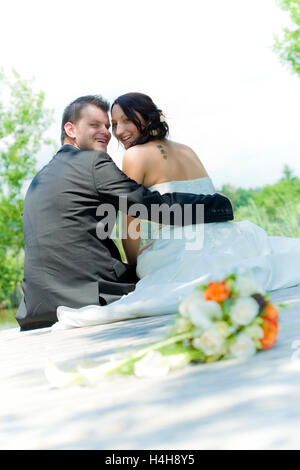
(226, 405)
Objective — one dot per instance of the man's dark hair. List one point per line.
(73, 110)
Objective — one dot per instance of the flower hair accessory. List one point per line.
(228, 319)
(161, 117)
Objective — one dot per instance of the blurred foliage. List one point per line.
(8, 318)
(275, 208)
(23, 122)
(274, 197)
(284, 222)
(238, 196)
(288, 45)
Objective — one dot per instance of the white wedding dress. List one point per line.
(182, 257)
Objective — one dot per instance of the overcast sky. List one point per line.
(208, 64)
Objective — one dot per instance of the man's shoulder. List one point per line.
(68, 149)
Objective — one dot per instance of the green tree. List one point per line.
(284, 221)
(23, 122)
(274, 197)
(275, 208)
(288, 45)
(287, 173)
(238, 196)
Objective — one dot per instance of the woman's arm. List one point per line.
(134, 167)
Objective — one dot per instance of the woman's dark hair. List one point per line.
(155, 127)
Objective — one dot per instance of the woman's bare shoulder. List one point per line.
(142, 155)
(138, 152)
(183, 148)
(191, 159)
(136, 162)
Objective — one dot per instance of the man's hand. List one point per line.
(224, 195)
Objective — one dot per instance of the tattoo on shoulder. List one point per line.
(162, 151)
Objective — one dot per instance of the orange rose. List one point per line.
(270, 329)
(271, 313)
(217, 291)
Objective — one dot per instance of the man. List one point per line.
(66, 263)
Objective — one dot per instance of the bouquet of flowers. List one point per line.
(228, 319)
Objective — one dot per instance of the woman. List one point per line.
(149, 158)
(178, 258)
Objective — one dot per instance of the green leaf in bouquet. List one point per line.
(230, 284)
(194, 355)
(226, 306)
(170, 349)
(128, 369)
(231, 339)
(210, 359)
(231, 277)
(201, 287)
(282, 305)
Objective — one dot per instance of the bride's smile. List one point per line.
(123, 128)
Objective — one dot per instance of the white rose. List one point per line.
(203, 312)
(197, 343)
(201, 319)
(212, 342)
(153, 364)
(244, 310)
(182, 324)
(242, 348)
(177, 361)
(247, 285)
(224, 329)
(184, 306)
(254, 332)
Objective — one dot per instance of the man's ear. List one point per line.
(70, 130)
